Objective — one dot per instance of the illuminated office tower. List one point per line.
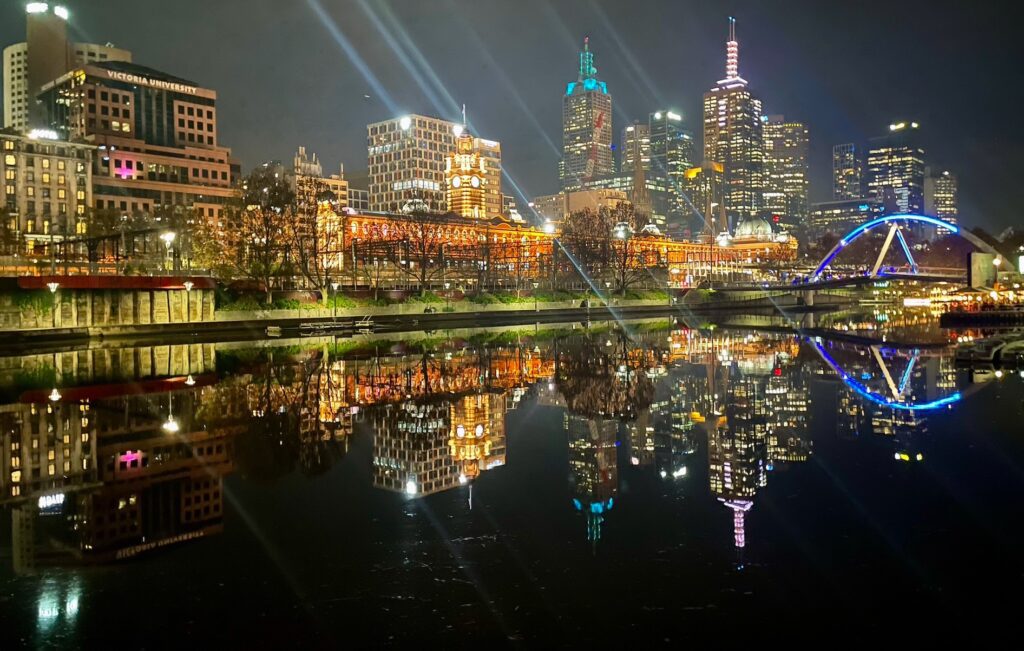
(489, 152)
(636, 136)
(940, 195)
(52, 55)
(406, 159)
(672, 154)
(847, 172)
(786, 146)
(896, 169)
(586, 126)
(466, 178)
(733, 136)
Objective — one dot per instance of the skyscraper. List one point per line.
(636, 136)
(406, 158)
(490, 152)
(786, 146)
(733, 136)
(847, 172)
(586, 126)
(52, 55)
(896, 169)
(671, 155)
(940, 195)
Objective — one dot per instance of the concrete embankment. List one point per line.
(238, 325)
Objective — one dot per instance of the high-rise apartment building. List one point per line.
(847, 172)
(635, 138)
(156, 134)
(406, 158)
(733, 136)
(940, 195)
(896, 169)
(786, 150)
(672, 153)
(586, 126)
(52, 55)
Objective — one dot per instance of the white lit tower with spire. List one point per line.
(733, 136)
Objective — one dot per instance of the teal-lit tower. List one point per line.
(586, 126)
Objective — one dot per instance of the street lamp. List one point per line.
(536, 307)
(168, 240)
(171, 424)
(334, 304)
(447, 296)
(608, 292)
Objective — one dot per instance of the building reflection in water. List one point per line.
(110, 453)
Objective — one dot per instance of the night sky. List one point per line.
(284, 77)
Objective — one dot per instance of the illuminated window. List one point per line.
(46, 163)
(9, 159)
(60, 165)
(46, 177)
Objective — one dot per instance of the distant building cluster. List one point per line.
(133, 140)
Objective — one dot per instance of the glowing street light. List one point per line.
(171, 425)
(54, 395)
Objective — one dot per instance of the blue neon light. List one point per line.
(866, 393)
(866, 226)
(906, 375)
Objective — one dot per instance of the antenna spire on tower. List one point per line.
(732, 57)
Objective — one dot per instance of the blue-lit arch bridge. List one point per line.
(825, 276)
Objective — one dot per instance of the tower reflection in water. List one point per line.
(108, 454)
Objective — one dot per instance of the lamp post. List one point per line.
(334, 303)
(447, 296)
(168, 240)
(536, 307)
(56, 300)
(608, 293)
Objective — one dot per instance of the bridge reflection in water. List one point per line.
(108, 454)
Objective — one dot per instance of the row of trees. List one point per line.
(276, 234)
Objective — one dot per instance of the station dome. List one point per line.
(754, 228)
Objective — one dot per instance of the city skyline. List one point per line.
(417, 67)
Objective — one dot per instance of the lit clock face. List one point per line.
(476, 181)
(456, 182)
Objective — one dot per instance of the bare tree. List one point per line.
(252, 240)
(421, 253)
(317, 235)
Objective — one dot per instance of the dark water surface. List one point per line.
(658, 485)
